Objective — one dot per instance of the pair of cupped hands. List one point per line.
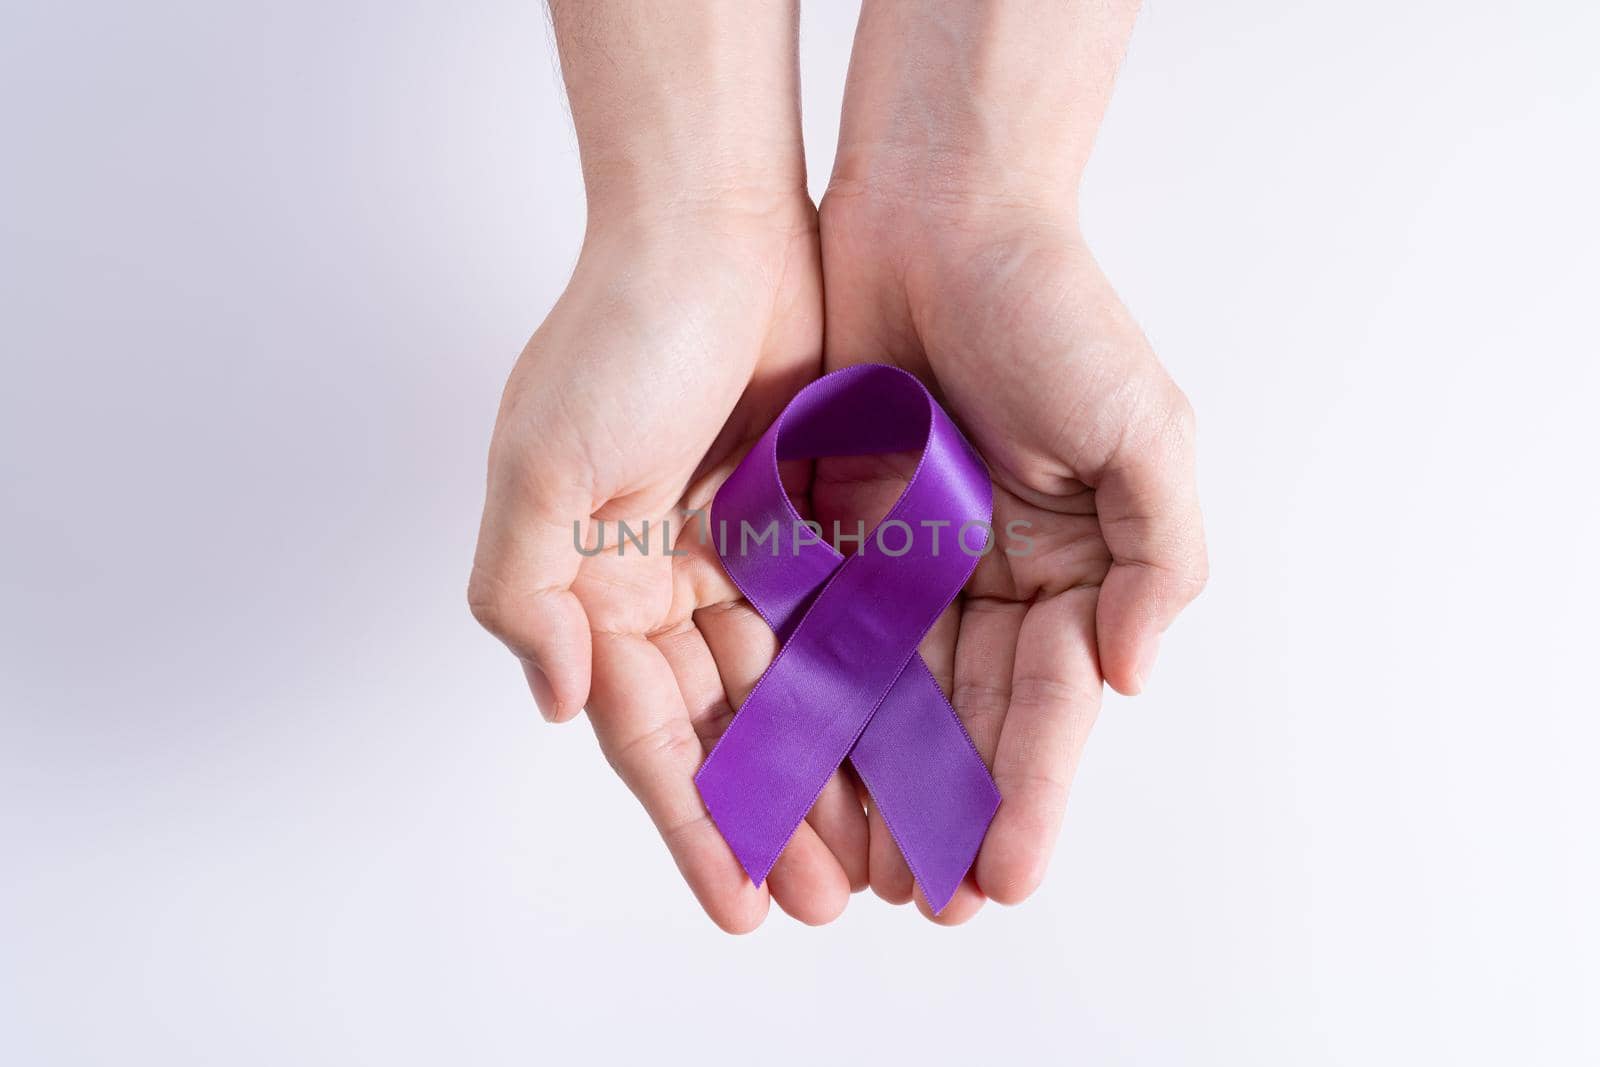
(687, 325)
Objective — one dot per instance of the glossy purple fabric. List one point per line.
(847, 680)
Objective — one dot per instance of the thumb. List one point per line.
(1150, 518)
(522, 575)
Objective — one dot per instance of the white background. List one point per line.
(267, 796)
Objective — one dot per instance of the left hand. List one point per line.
(1001, 310)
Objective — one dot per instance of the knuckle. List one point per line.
(670, 742)
(486, 601)
(1034, 692)
(980, 701)
(1181, 419)
(1202, 569)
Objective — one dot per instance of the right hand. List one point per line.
(672, 349)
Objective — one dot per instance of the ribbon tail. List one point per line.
(939, 806)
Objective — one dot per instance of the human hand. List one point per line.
(951, 248)
(669, 353)
(692, 316)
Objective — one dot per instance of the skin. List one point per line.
(949, 246)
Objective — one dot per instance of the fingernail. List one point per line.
(543, 695)
(1147, 661)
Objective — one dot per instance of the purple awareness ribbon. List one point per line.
(847, 681)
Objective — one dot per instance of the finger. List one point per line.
(522, 575)
(644, 730)
(1150, 518)
(1055, 696)
(807, 881)
(986, 653)
(699, 683)
(742, 646)
(840, 820)
(966, 903)
(887, 872)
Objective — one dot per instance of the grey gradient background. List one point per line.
(267, 796)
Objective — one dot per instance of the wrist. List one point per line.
(687, 108)
(746, 249)
(694, 160)
(757, 222)
(932, 186)
(708, 199)
(981, 104)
